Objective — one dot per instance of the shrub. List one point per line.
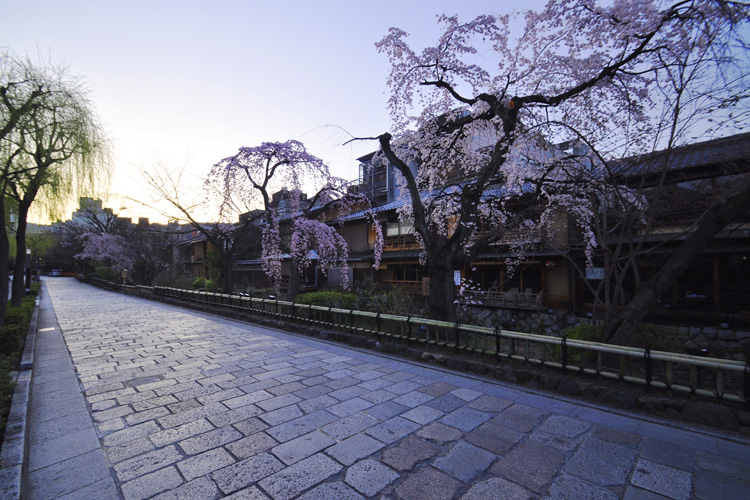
(212, 285)
(581, 332)
(340, 300)
(198, 283)
(7, 386)
(658, 338)
(105, 273)
(395, 301)
(11, 338)
(19, 315)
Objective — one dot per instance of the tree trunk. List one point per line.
(622, 328)
(19, 274)
(228, 265)
(4, 251)
(294, 280)
(442, 293)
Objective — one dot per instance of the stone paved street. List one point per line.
(156, 401)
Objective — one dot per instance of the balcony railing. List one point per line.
(504, 299)
(410, 287)
(401, 242)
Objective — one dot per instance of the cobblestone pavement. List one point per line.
(171, 404)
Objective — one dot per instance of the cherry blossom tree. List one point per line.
(248, 180)
(113, 249)
(485, 106)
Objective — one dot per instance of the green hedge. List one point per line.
(339, 300)
(12, 335)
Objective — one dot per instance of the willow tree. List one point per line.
(56, 150)
(477, 109)
(20, 93)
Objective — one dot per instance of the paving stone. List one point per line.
(491, 488)
(192, 415)
(247, 399)
(447, 403)
(181, 432)
(146, 463)
(349, 407)
(130, 449)
(437, 389)
(495, 438)
(151, 484)
(246, 472)
(464, 461)
(251, 493)
(349, 426)
(560, 442)
(601, 462)
(633, 493)
(348, 393)
(375, 384)
(465, 419)
(564, 426)
(281, 415)
(234, 416)
(317, 403)
(205, 463)
(109, 426)
(151, 403)
(218, 396)
(530, 464)
(664, 480)
(429, 484)
(210, 439)
(669, 454)
(413, 399)
(250, 426)
(520, 418)
(616, 436)
(144, 416)
(200, 488)
(302, 447)
(711, 485)
(722, 465)
(302, 425)
(352, 449)
(422, 414)
(369, 476)
(58, 427)
(408, 453)
(329, 491)
(488, 403)
(379, 396)
(440, 433)
(384, 411)
(573, 488)
(293, 480)
(466, 394)
(56, 480)
(392, 430)
(251, 445)
(119, 411)
(104, 489)
(62, 448)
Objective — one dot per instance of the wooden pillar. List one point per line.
(717, 287)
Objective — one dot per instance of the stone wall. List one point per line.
(716, 342)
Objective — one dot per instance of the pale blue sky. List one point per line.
(192, 81)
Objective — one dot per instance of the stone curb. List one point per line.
(15, 452)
